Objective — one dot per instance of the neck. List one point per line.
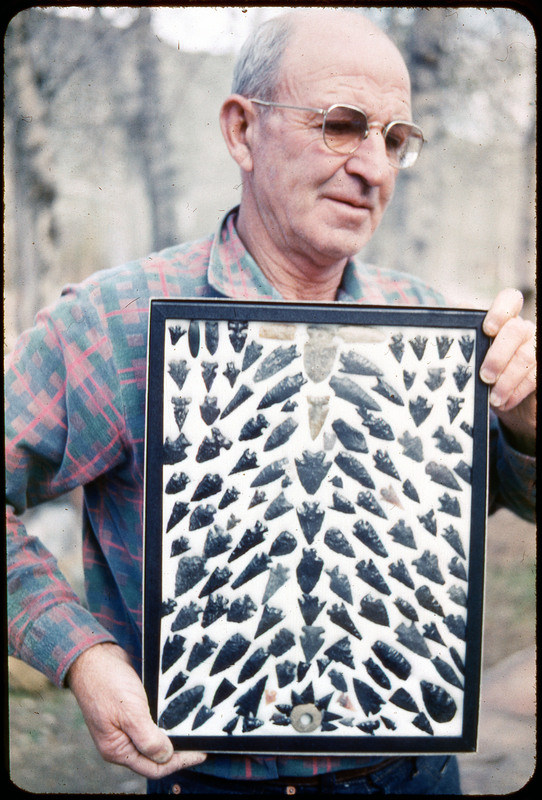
(297, 277)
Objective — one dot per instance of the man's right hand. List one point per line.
(114, 705)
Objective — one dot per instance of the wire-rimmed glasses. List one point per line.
(345, 127)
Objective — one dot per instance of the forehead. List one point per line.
(344, 59)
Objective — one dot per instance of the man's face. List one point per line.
(311, 200)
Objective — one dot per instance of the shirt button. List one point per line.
(175, 789)
(291, 790)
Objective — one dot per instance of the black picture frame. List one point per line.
(378, 483)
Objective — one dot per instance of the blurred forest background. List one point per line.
(113, 148)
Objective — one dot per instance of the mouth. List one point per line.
(351, 202)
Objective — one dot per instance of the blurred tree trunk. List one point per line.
(148, 130)
(34, 190)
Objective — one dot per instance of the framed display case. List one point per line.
(315, 512)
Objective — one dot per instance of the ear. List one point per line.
(236, 121)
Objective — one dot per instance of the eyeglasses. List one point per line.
(345, 127)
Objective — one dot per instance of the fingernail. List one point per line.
(495, 399)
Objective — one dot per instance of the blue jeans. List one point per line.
(406, 775)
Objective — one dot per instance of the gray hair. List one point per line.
(257, 71)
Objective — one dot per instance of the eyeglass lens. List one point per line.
(345, 128)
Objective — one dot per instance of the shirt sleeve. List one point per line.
(64, 426)
(512, 475)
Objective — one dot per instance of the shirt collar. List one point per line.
(235, 274)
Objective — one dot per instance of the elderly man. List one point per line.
(319, 123)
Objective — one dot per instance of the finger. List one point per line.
(506, 305)
(128, 756)
(516, 382)
(515, 335)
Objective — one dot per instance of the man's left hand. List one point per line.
(510, 368)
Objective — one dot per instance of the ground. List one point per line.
(52, 752)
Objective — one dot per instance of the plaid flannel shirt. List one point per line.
(75, 415)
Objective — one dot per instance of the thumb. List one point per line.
(151, 742)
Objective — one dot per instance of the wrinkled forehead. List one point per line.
(346, 51)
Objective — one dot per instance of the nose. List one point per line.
(370, 161)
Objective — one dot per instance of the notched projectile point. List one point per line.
(399, 571)
(247, 705)
(200, 652)
(190, 570)
(278, 359)
(466, 344)
(216, 542)
(319, 352)
(368, 501)
(310, 608)
(177, 482)
(431, 632)
(342, 504)
(426, 599)
(217, 605)
(277, 507)
(187, 615)
(175, 449)
(175, 333)
(286, 672)
(442, 475)
(179, 546)
(435, 378)
(173, 650)
(443, 345)
(462, 375)
(409, 490)
(180, 410)
(210, 448)
(419, 410)
(230, 653)
(429, 522)
(408, 378)
(278, 576)
(209, 485)
(252, 353)
(447, 441)
(418, 344)
(339, 615)
(253, 428)
(270, 473)
(449, 505)
(339, 584)
(374, 610)
(209, 410)
(201, 516)
(427, 565)
(179, 511)
(350, 437)
(347, 389)
(220, 577)
(453, 538)
(231, 372)
(384, 463)
(389, 494)
(310, 518)
(283, 390)
(397, 346)
(370, 701)
(179, 372)
(340, 651)
(311, 640)
(208, 373)
(280, 434)
(457, 569)
(365, 532)
(402, 533)
(385, 390)
(352, 467)
(250, 538)
(181, 707)
(337, 541)
(412, 447)
(378, 427)
(238, 334)
(253, 665)
(260, 563)
(368, 572)
(356, 364)
(248, 460)
(453, 405)
(281, 642)
(242, 609)
(312, 468)
(409, 636)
